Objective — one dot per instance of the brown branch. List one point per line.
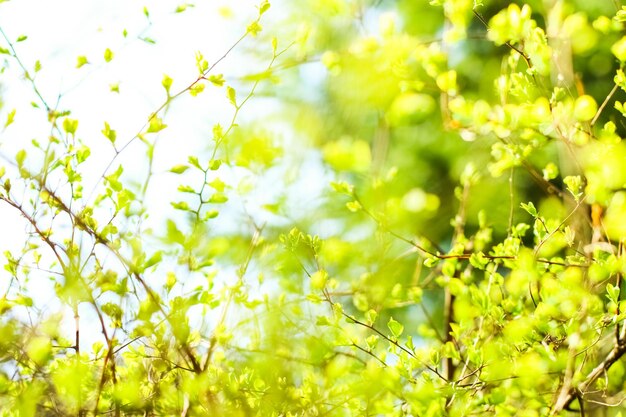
(603, 105)
(44, 236)
(130, 266)
(519, 51)
(563, 401)
(384, 336)
(369, 352)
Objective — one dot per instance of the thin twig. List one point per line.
(603, 105)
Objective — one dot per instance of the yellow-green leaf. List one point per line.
(108, 55)
(156, 125)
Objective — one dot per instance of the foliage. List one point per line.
(450, 242)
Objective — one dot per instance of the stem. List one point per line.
(77, 336)
(603, 105)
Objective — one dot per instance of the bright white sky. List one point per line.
(60, 31)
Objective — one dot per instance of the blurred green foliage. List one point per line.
(428, 220)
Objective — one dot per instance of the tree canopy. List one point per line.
(328, 208)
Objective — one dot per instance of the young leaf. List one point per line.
(215, 164)
(81, 60)
(179, 169)
(217, 185)
(265, 5)
(193, 160)
(612, 292)
(217, 80)
(354, 206)
(10, 118)
(530, 208)
(196, 89)
(395, 327)
(108, 55)
(254, 28)
(109, 133)
(20, 157)
(574, 185)
(180, 205)
(156, 125)
(70, 125)
(166, 83)
(231, 94)
(318, 279)
(218, 198)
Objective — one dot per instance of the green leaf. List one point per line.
(156, 125)
(231, 94)
(218, 198)
(372, 341)
(180, 205)
(218, 132)
(21, 38)
(530, 208)
(201, 63)
(612, 292)
(254, 28)
(170, 281)
(196, 89)
(166, 83)
(217, 185)
(20, 157)
(585, 108)
(108, 55)
(348, 154)
(431, 261)
(619, 49)
(265, 5)
(186, 189)
(153, 260)
(550, 172)
(343, 187)
(215, 164)
(10, 118)
(450, 351)
(322, 321)
(193, 160)
(182, 7)
(478, 260)
(354, 206)
(318, 279)
(179, 169)
(574, 185)
(70, 125)
(371, 316)
(395, 327)
(81, 60)
(109, 133)
(217, 80)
